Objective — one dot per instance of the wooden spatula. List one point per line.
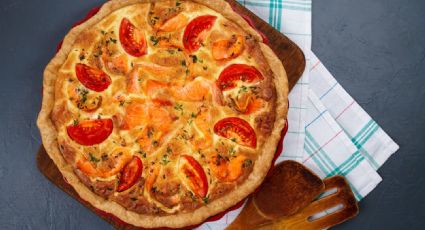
(325, 212)
(289, 188)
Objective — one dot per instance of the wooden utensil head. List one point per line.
(337, 205)
(286, 190)
(290, 187)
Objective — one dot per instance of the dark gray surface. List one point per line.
(376, 49)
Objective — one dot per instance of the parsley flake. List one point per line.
(93, 158)
(247, 163)
(165, 160)
(154, 40)
(206, 199)
(178, 107)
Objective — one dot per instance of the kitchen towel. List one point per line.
(373, 143)
(328, 130)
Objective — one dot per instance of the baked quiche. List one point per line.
(163, 113)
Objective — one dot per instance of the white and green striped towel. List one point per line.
(328, 131)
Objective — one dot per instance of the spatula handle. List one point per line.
(249, 218)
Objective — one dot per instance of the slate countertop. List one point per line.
(375, 49)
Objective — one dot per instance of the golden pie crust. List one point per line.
(58, 112)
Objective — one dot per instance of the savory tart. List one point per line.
(163, 113)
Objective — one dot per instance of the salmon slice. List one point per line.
(226, 49)
(135, 115)
(227, 169)
(175, 23)
(203, 124)
(193, 91)
(110, 167)
(160, 118)
(133, 83)
(153, 87)
(254, 105)
(152, 68)
(134, 79)
(117, 64)
(198, 90)
(247, 103)
(151, 178)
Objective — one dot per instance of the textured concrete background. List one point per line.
(376, 49)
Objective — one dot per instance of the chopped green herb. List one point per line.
(98, 54)
(205, 67)
(142, 153)
(194, 58)
(83, 93)
(247, 163)
(154, 143)
(169, 150)
(104, 157)
(206, 199)
(150, 132)
(165, 160)
(93, 158)
(178, 3)
(192, 196)
(153, 20)
(178, 107)
(113, 40)
(133, 199)
(75, 122)
(243, 89)
(232, 151)
(154, 40)
(183, 63)
(233, 139)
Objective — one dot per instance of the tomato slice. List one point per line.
(92, 78)
(238, 129)
(90, 132)
(194, 33)
(238, 72)
(195, 176)
(130, 174)
(132, 39)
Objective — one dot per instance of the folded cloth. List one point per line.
(328, 131)
(373, 143)
(329, 151)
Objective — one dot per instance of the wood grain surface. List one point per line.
(288, 52)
